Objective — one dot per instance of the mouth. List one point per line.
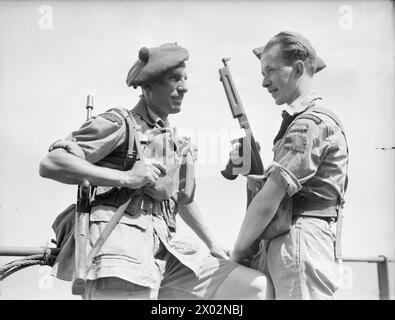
(272, 91)
(178, 99)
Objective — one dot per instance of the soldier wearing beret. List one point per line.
(303, 189)
(141, 259)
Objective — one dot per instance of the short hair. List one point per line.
(294, 47)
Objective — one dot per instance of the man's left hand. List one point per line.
(242, 257)
(70, 146)
(219, 252)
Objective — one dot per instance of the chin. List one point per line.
(279, 102)
(175, 109)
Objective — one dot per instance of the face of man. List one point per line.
(278, 78)
(167, 94)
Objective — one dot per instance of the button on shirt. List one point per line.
(311, 157)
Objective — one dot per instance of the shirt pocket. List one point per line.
(129, 240)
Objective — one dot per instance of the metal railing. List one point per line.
(381, 261)
(382, 273)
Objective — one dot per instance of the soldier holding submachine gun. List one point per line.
(286, 231)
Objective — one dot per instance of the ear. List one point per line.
(299, 68)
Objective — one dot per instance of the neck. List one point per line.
(304, 87)
(154, 108)
(158, 113)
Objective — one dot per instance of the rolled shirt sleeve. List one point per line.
(284, 178)
(99, 136)
(298, 155)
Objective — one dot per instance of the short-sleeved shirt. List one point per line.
(128, 252)
(104, 135)
(311, 158)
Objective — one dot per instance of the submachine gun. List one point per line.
(249, 150)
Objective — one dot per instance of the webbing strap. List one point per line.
(134, 145)
(135, 142)
(106, 232)
(339, 221)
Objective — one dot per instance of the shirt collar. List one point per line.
(301, 103)
(156, 118)
(148, 115)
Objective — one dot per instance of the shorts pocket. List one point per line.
(129, 240)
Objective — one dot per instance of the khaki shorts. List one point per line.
(178, 281)
(300, 264)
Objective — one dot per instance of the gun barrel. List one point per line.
(89, 106)
(225, 60)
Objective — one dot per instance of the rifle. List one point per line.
(252, 162)
(81, 227)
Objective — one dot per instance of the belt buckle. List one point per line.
(146, 204)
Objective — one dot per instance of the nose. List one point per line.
(266, 82)
(182, 86)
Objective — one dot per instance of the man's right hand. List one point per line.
(254, 182)
(144, 172)
(234, 154)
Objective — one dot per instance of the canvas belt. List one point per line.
(328, 210)
(146, 203)
(314, 208)
(159, 208)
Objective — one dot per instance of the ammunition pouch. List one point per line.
(63, 226)
(114, 197)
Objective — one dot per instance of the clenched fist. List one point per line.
(144, 172)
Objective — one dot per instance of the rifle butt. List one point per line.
(81, 235)
(81, 244)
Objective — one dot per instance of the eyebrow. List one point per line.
(176, 74)
(265, 69)
(269, 67)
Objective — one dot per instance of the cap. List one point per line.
(154, 62)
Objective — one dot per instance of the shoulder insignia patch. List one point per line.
(299, 127)
(310, 116)
(111, 117)
(296, 142)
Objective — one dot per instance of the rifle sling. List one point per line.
(106, 232)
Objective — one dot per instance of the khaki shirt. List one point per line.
(311, 158)
(128, 253)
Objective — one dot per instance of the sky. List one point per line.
(54, 53)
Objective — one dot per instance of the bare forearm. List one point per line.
(61, 166)
(255, 221)
(259, 214)
(190, 213)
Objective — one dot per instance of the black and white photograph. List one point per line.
(197, 150)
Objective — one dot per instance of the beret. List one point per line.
(296, 38)
(154, 62)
